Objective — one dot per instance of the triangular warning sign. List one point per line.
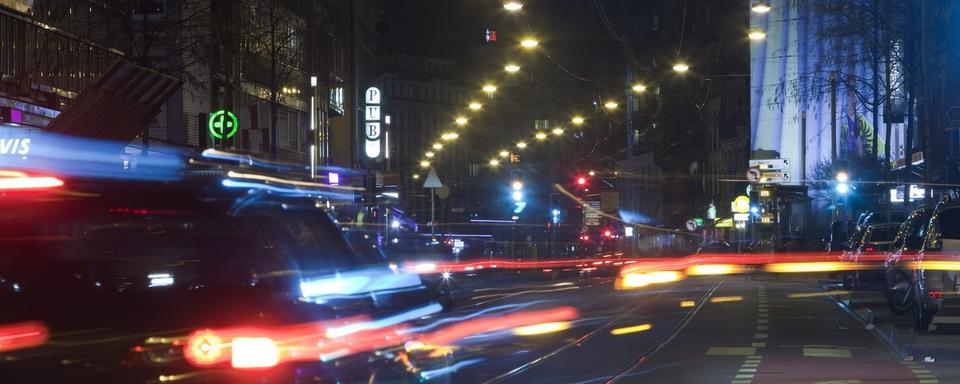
(432, 180)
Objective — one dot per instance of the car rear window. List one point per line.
(949, 223)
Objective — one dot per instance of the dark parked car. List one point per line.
(867, 243)
(935, 289)
(899, 279)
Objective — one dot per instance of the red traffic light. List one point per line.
(581, 181)
(607, 233)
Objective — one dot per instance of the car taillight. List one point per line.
(254, 352)
(936, 294)
(204, 348)
(869, 249)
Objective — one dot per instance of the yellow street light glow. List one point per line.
(511, 68)
(461, 120)
(513, 6)
(450, 136)
(761, 7)
(494, 162)
(611, 105)
(592, 173)
(475, 106)
(757, 35)
(681, 67)
(842, 177)
(639, 88)
(541, 136)
(437, 146)
(428, 154)
(504, 153)
(539, 329)
(577, 120)
(687, 303)
(529, 43)
(416, 176)
(558, 131)
(521, 145)
(425, 164)
(489, 88)
(631, 329)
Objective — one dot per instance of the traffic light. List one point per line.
(581, 181)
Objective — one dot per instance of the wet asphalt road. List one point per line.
(739, 330)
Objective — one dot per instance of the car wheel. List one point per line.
(923, 312)
(899, 295)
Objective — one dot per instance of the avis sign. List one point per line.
(372, 129)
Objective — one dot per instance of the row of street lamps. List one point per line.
(529, 43)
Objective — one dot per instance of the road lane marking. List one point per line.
(763, 327)
(731, 351)
(763, 321)
(827, 352)
(747, 370)
(760, 336)
(758, 345)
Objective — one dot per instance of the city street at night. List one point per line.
(479, 191)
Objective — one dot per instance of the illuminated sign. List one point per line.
(16, 146)
(741, 204)
(371, 119)
(222, 124)
(725, 223)
(333, 178)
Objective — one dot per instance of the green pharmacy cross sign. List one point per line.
(222, 124)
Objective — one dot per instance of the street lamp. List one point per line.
(437, 146)
(757, 35)
(577, 120)
(611, 105)
(558, 131)
(494, 162)
(450, 136)
(415, 176)
(475, 106)
(521, 145)
(461, 121)
(541, 136)
(529, 43)
(429, 154)
(639, 88)
(592, 173)
(681, 67)
(513, 6)
(761, 7)
(504, 153)
(424, 164)
(511, 68)
(489, 89)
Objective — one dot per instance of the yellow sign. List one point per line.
(741, 204)
(725, 223)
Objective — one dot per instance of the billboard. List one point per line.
(790, 79)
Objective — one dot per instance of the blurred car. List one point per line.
(715, 247)
(866, 245)
(899, 279)
(120, 271)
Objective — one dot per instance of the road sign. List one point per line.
(691, 225)
(753, 175)
(591, 213)
(770, 164)
(432, 181)
(774, 177)
(741, 204)
(222, 124)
